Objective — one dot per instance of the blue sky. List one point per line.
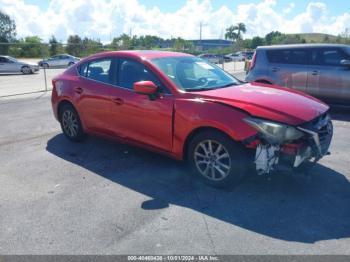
(105, 19)
(335, 7)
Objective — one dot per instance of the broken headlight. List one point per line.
(274, 133)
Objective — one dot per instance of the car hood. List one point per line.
(27, 63)
(269, 102)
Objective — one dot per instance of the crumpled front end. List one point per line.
(281, 146)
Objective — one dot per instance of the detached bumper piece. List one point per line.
(312, 147)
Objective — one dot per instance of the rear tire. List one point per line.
(45, 65)
(217, 159)
(71, 124)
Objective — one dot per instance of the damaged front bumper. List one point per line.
(310, 148)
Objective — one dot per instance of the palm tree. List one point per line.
(241, 28)
(231, 33)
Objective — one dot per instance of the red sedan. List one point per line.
(189, 109)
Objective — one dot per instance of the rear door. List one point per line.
(136, 116)
(11, 66)
(53, 61)
(327, 78)
(288, 67)
(3, 65)
(92, 94)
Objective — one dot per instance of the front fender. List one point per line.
(193, 114)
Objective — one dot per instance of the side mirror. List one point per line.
(145, 88)
(345, 62)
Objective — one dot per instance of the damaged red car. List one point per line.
(189, 109)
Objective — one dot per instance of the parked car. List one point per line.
(322, 70)
(9, 64)
(58, 61)
(189, 109)
(215, 59)
(236, 57)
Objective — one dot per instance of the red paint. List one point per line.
(164, 124)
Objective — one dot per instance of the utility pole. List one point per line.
(200, 32)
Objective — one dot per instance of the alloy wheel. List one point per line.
(70, 123)
(212, 160)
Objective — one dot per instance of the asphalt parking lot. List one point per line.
(12, 84)
(101, 197)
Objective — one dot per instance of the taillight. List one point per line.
(252, 63)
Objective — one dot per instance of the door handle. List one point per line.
(118, 101)
(315, 73)
(275, 69)
(78, 90)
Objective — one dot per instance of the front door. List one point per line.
(327, 78)
(136, 116)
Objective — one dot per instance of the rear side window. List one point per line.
(98, 70)
(287, 56)
(328, 56)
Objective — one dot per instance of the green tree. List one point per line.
(123, 42)
(55, 47)
(91, 46)
(257, 41)
(7, 31)
(271, 36)
(241, 29)
(74, 45)
(235, 32)
(231, 33)
(32, 47)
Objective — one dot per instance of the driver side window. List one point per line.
(131, 71)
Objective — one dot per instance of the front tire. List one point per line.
(71, 124)
(217, 159)
(26, 70)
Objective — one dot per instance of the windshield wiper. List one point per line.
(227, 85)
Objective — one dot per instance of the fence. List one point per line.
(15, 79)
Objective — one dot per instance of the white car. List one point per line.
(236, 57)
(9, 64)
(63, 60)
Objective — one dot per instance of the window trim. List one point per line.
(115, 61)
(147, 67)
(306, 50)
(324, 49)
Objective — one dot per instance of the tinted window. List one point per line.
(83, 69)
(327, 56)
(98, 70)
(131, 71)
(3, 60)
(287, 56)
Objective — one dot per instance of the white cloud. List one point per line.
(104, 18)
(289, 8)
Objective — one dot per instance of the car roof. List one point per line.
(143, 54)
(301, 46)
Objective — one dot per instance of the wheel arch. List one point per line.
(61, 104)
(197, 131)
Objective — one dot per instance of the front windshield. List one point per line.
(12, 59)
(194, 74)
